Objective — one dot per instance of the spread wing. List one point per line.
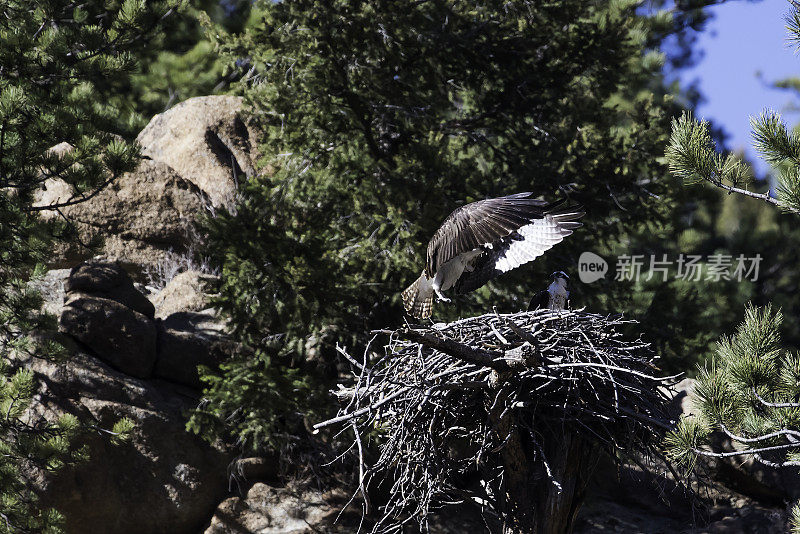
(521, 246)
(480, 223)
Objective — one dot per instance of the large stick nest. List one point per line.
(435, 394)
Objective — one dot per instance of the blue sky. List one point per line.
(742, 40)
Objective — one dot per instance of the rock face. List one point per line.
(109, 281)
(195, 155)
(52, 287)
(111, 318)
(107, 314)
(207, 141)
(144, 217)
(137, 358)
(189, 339)
(621, 517)
(163, 479)
(186, 292)
(118, 335)
(684, 399)
(269, 510)
(130, 364)
(190, 333)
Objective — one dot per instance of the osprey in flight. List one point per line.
(482, 240)
(555, 297)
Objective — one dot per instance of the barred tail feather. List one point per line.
(418, 298)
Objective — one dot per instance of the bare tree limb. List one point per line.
(464, 397)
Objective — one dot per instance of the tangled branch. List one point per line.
(447, 403)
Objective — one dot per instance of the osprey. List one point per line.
(484, 239)
(556, 297)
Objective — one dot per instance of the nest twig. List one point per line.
(436, 394)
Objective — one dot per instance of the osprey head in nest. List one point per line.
(555, 297)
(484, 239)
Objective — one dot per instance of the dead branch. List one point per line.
(492, 402)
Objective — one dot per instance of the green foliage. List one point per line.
(692, 155)
(773, 141)
(748, 391)
(58, 65)
(122, 430)
(793, 25)
(684, 440)
(181, 61)
(794, 519)
(751, 391)
(31, 442)
(281, 395)
(382, 117)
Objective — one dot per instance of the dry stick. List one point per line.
(770, 463)
(361, 463)
(486, 358)
(585, 374)
(733, 189)
(744, 452)
(742, 439)
(647, 418)
(775, 404)
(362, 411)
(366, 409)
(349, 358)
(605, 366)
(527, 336)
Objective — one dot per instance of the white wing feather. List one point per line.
(537, 238)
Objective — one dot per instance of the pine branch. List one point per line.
(775, 404)
(772, 139)
(745, 452)
(793, 24)
(788, 189)
(760, 196)
(692, 157)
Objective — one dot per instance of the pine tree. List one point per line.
(380, 118)
(750, 390)
(56, 60)
(181, 61)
